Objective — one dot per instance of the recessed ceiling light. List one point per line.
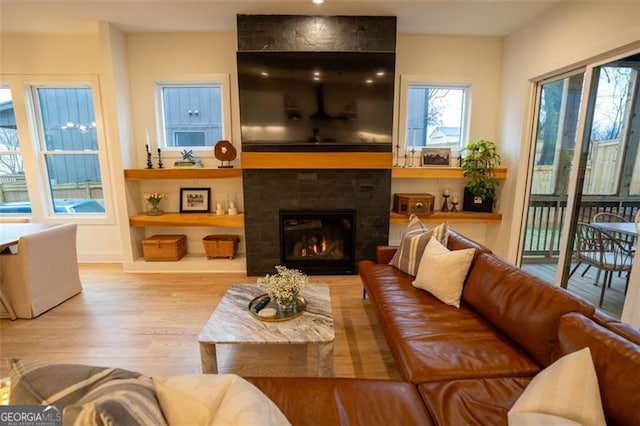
(368, 81)
(316, 78)
(264, 74)
(318, 1)
(380, 73)
(316, 73)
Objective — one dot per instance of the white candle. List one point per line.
(219, 206)
(455, 199)
(446, 192)
(232, 205)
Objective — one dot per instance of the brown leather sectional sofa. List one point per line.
(468, 366)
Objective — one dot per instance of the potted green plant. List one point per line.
(478, 163)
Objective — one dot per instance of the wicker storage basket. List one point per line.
(220, 246)
(164, 247)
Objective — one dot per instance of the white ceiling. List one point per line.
(462, 17)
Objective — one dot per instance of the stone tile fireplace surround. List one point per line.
(267, 191)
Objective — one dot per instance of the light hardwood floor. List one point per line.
(150, 323)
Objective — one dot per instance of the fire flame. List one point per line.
(315, 249)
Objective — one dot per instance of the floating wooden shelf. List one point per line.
(457, 217)
(185, 173)
(142, 220)
(437, 172)
(317, 160)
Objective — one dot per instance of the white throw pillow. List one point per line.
(568, 388)
(442, 272)
(539, 419)
(215, 400)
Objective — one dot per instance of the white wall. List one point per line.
(454, 59)
(169, 56)
(34, 58)
(49, 54)
(116, 102)
(157, 57)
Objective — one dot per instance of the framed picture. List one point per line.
(436, 157)
(195, 200)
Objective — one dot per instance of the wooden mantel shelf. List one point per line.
(182, 173)
(457, 217)
(437, 172)
(317, 160)
(142, 220)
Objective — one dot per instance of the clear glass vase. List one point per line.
(288, 306)
(153, 208)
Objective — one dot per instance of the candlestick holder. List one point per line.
(397, 163)
(160, 165)
(445, 205)
(413, 154)
(149, 163)
(454, 203)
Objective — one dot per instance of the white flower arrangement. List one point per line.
(153, 197)
(285, 285)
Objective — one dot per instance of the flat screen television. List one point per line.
(299, 101)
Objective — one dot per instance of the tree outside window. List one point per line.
(13, 186)
(436, 116)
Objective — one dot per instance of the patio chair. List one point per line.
(601, 250)
(607, 217)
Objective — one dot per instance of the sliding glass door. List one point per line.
(552, 156)
(607, 188)
(584, 170)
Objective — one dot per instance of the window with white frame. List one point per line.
(69, 149)
(436, 116)
(192, 114)
(14, 197)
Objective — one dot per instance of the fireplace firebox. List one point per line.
(318, 242)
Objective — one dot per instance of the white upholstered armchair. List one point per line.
(44, 271)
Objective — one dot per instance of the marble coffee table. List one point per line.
(232, 323)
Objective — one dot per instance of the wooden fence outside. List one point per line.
(17, 191)
(599, 178)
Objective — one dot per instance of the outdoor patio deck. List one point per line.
(583, 286)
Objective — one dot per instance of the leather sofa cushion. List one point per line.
(341, 401)
(478, 402)
(458, 241)
(617, 363)
(384, 254)
(624, 329)
(432, 341)
(520, 305)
